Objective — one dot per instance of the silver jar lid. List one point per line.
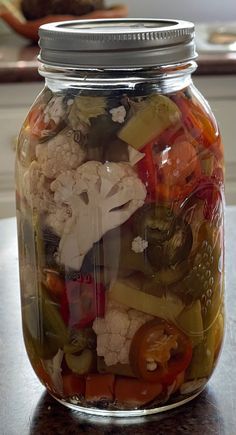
(116, 43)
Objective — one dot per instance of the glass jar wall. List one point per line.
(120, 200)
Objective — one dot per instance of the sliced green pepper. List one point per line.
(115, 253)
(205, 279)
(81, 364)
(203, 357)
(42, 347)
(53, 323)
(203, 274)
(154, 223)
(168, 276)
(38, 345)
(169, 237)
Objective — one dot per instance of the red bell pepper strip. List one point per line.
(73, 385)
(99, 386)
(147, 171)
(169, 173)
(82, 302)
(199, 124)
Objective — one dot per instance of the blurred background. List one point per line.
(197, 11)
(20, 83)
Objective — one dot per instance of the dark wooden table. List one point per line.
(25, 408)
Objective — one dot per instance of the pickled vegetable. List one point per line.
(80, 340)
(73, 385)
(82, 301)
(203, 357)
(99, 387)
(190, 321)
(172, 274)
(126, 260)
(166, 307)
(81, 364)
(43, 326)
(158, 113)
(156, 222)
(169, 238)
(159, 352)
(53, 323)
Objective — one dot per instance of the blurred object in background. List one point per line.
(26, 16)
(13, 7)
(197, 11)
(34, 9)
(216, 38)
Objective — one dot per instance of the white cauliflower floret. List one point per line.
(63, 187)
(135, 324)
(118, 114)
(118, 322)
(124, 353)
(59, 154)
(100, 326)
(116, 340)
(57, 217)
(102, 197)
(55, 110)
(111, 359)
(137, 319)
(139, 245)
(115, 332)
(102, 341)
(36, 188)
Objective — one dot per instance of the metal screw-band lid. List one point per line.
(116, 43)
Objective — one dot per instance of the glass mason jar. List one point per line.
(120, 203)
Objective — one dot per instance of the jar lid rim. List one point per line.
(117, 42)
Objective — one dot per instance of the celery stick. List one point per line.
(203, 357)
(166, 307)
(190, 321)
(157, 114)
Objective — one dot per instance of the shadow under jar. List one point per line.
(120, 206)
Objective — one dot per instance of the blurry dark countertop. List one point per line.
(18, 61)
(26, 409)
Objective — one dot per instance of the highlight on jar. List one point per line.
(120, 210)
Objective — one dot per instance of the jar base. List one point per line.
(127, 413)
